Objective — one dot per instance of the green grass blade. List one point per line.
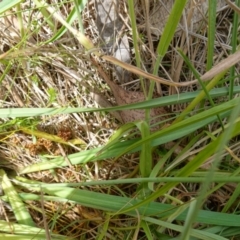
(146, 150)
(20, 211)
(179, 158)
(157, 168)
(234, 42)
(169, 29)
(219, 148)
(168, 134)
(212, 8)
(233, 198)
(25, 232)
(117, 135)
(104, 230)
(197, 76)
(114, 204)
(199, 234)
(48, 18)
(186, 126)
(201, 96)
(163, 101)
(222, 177)
(167, 36)
(134, 33)
(70, 19)
(6, 5)
(78, 12)
(147, 230)
(189, 168)
(5, 72)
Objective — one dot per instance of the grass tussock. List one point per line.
(71, 168)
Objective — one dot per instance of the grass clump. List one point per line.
(71, 170)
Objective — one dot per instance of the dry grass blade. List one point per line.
(225, 64)
(233, 6)
(127, 97)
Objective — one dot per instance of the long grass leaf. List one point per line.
(186, 126)
(46, 15)
(188, 169)
(167, 36)
(233, 198)
(70, 19)
(170, 28)
(199, 234)
(114, 204)
(212, 9)
(25, 231)
(163, 101)
(146, 151)
(197, 76)
(170, 133)
(219, 178)
(20, 211)
(201, 96)
(219, 148)
(234, 42)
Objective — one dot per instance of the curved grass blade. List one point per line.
(200, 96)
